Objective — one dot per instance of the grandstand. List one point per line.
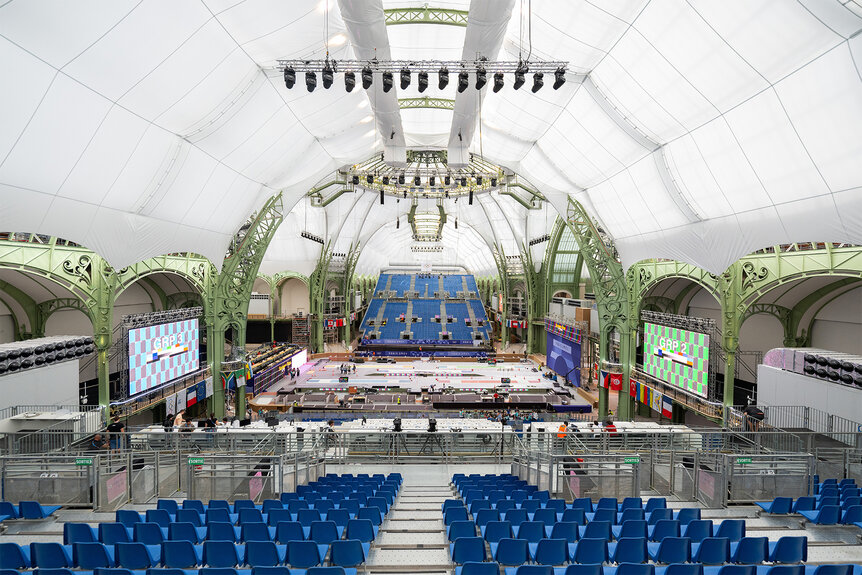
(439, 312)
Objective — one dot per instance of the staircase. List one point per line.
(440, 287)
(299, 330)
(408, 317)
(464, 288)
(444, 325)
(379, 319)
(472, 315)
(412, 539)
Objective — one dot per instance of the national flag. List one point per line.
(603, 380)
(616, 381)
(191, 396)
(666, 406)
(644, 394)
(655, 403)
(633, 388)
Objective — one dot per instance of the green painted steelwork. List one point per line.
(426, 102)
(425, 15)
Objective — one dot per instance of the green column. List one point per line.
(603, 356)
(729, 284)
(215, 357)
(625, 409)
(102, 315)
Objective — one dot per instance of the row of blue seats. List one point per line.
(182, 555)
(279, 570)
(130, 518)
(784, 505)
(579, 516)
(284, 532)
(832, 481)
(731, 529)
(649, 569)
(713, 550)
(26, 510)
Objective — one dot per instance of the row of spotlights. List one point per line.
(367, 75)
(447, 180)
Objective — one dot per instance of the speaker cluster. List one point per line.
(33, 353)
(841, 368)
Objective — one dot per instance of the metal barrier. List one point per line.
(764, 477)
(418, 446)
(49, 480)
(597, 476)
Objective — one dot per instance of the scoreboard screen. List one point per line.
(161, 353)
(677, 357)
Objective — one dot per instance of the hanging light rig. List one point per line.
(478, 70)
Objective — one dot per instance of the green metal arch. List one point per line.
(194, 282)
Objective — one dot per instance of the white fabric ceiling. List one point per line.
(695, 130)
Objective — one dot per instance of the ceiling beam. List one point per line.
(486, 29)
(425, 15)
(366, 27)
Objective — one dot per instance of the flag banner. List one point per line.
(615, 381)
(191, 396)
(603, 379)
(633, 388)
(666, 406)
(656, 402)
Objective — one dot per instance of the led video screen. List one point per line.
(677, 357)
(161, 353)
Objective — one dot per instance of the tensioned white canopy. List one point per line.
(694, 130)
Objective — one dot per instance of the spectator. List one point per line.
(180, 419)
(115, 428)
(168, 423)
(98, 443)
(610, 427)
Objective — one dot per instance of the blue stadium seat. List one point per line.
(188, 532)
(480, 568)
(332, 570)
(256, 532)
(265, 554)
(596, 530)
(486, 515)
(789, 550)
(220, 554)
(49, 555)
(458, 529)
(218, 531)
(271, 504)
(631, 503)
(8, 510)
(607, 503)
(731, 570)
(149, 533)
(79, 533)
(558, 505)
(779, 505)
(324, 505)
(532, 531)
(348, 553)
(181, 554)
(252, 515)
(307, 516)
(590, 551)
(113, 533)
(127, 517)
(32, 510)
(14, 556)
(190, 515)
(578, 516)
(733, 529)
(680, 569)
(711, 551)
(629, 550)
(323, 532)
(219, 504)
(686, 515)
(222, 515)
(583, 569)
(630, 529)
(455, 514)
(137, 555)
(630, 515)
(829, 569)
(567, 530)
(361, 529)
(289, 531)
(698, 530)
(657, 515)
(826, 515)
(452, 503)
(466, 549)
(750, 550)
(194, 504)
(786, 570)
(551, 552)
(603, 514)
(671, 550)
(510, 551)
(218, 571)
(303, 554)
(654, 503)
(169, 505)
(371, 513)
(635, 569)
(493, 531)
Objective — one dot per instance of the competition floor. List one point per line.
(417, 376)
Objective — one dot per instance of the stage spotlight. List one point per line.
(387, 81)
(470, 198)
(478, 180)
(432, 425)
(423, 81)
(401, 179)
(310, 81)
(519, 76)
(538, 82)
(405, 78)
(447, 180)
(349, 81)
(481, 78)
(442, 78)
(326, 76)
(367, 77)
(559, 78)
(397, 223)
(456, 223)
(493, 182)
(355, 180)
(381, 197)
(385, 180)
(396, 424)
(431, 181)
(463, 181)
(289, 78)
(405, 194)
(498, 82)
(463, 81)
(369, 178)
(417, 181)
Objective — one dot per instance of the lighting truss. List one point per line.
(312, 237)
(159, 317)
(453, 67)
(419, 248)
(540, 239)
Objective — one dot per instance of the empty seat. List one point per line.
(733, 529)
(510, 551)
(361, 529)
(711, 551)
(79, 533)
(149, 533)
(630, 529)
(750, 550)
(348, 553)
(454, 514)
(590, 551)
(657, 515)
(182, 554)
(596, 530)
(127, 517)
(256, 532)
(631, 503)
(195, 504)
(218, 531)
(671, 550)
(221, 555)
(460, 529)
(188, 532)
(169, 505)
(551, 552)
(629, 550)
(192, 516)
(567, 530)
(252, 515)
(220, 514)
(826, 515)
(779, 505)
(14, 556)
(654, 503)
(137, 555)
(32, 510)
(789, 550)
(532, 531)
(51, 555)
(480, 568)
(466, 549)
(496, 530)
(324, 532)
(698, 530)
(303, 554)
(604, 514)
(113, 533)
(686, 515)
(578, 516)
(486, 515)
(265, 554)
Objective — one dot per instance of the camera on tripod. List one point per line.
(432, 425)
(396, 424)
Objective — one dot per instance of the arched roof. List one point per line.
(695, 130)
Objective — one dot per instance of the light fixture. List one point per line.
(481, 78)
(447, 180)
(417, 181)
(397, 223)
(367, 77)
(478, 180)
(326, 75)
(463, 182)
(423, 81)
(401, 179)
(498, 82)
(387, 81)
(538, 82)
(470, 198)
(519, 76)
(463, 80)
(385, 180)
(289, 78)
(369, 178)
(381, 196)
(405, 78)
(456, 223)
(559, 78)
(443, 78)
(493, 182)
(310, 81)
(355, 180)
(312, 237)
(349, 81)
